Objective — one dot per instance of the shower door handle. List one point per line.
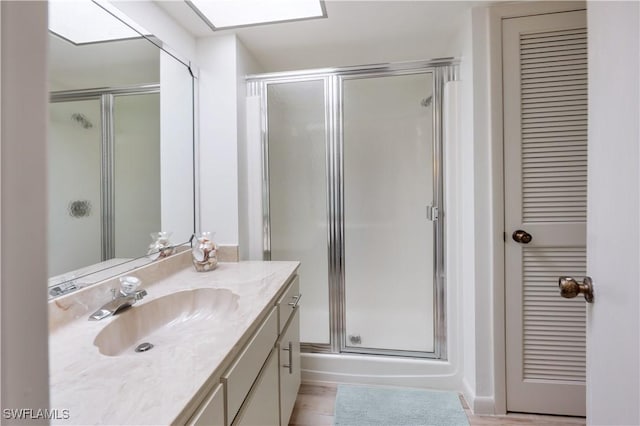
(432, 213)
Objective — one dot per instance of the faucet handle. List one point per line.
(129, 284)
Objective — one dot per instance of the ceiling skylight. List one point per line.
(221, 14)
(82, 22)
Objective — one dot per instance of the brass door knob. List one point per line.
(570, 288)
(522, 237)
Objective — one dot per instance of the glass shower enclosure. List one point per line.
(104, 162)
(353, 189)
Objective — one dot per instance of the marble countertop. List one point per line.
(153, 387)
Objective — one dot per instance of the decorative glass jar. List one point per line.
(161, 246)
(204, 252)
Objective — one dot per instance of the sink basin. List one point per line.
(167, 320)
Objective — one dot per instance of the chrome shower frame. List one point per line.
(443, 70)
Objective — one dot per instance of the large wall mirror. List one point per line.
(121, 146)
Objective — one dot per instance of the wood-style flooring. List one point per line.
(316, 403)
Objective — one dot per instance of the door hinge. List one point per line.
(432, 213)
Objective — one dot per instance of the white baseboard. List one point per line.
(480, 405)
(484, 405)
(468, 393)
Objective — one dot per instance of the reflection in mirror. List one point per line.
(120, 148)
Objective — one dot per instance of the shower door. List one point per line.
(388, 182)
(351, 188)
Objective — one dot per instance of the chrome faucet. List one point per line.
(117, 304)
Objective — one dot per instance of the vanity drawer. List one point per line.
(211, 411)
(288, 303)
(261, 406)
(240, 376)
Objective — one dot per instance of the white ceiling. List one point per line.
(109, 64)
(355, 32)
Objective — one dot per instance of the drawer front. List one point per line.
(211, 411)
(261, 406)
(289, 366)
(242, 374)
(288, 303)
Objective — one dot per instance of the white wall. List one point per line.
(467, 205)
(484, 228)
(461, 187)
(23, 153)
(386, 32)
(223, 62)
(613, 320)
(475, 164)
(453, 141)
(218, 138)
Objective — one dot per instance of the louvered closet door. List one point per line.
(545, 143)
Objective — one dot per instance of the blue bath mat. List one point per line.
(379, 406)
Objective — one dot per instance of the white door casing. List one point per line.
(613, 226)
(545, 140)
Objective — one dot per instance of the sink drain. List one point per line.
(143, 347)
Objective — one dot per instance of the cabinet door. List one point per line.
(241, 376)
(289, 351)
(211, 411)
(261, 406)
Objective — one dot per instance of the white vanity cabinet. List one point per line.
(260, 385)
(289, 351)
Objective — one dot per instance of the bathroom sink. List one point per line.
(167, 321)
